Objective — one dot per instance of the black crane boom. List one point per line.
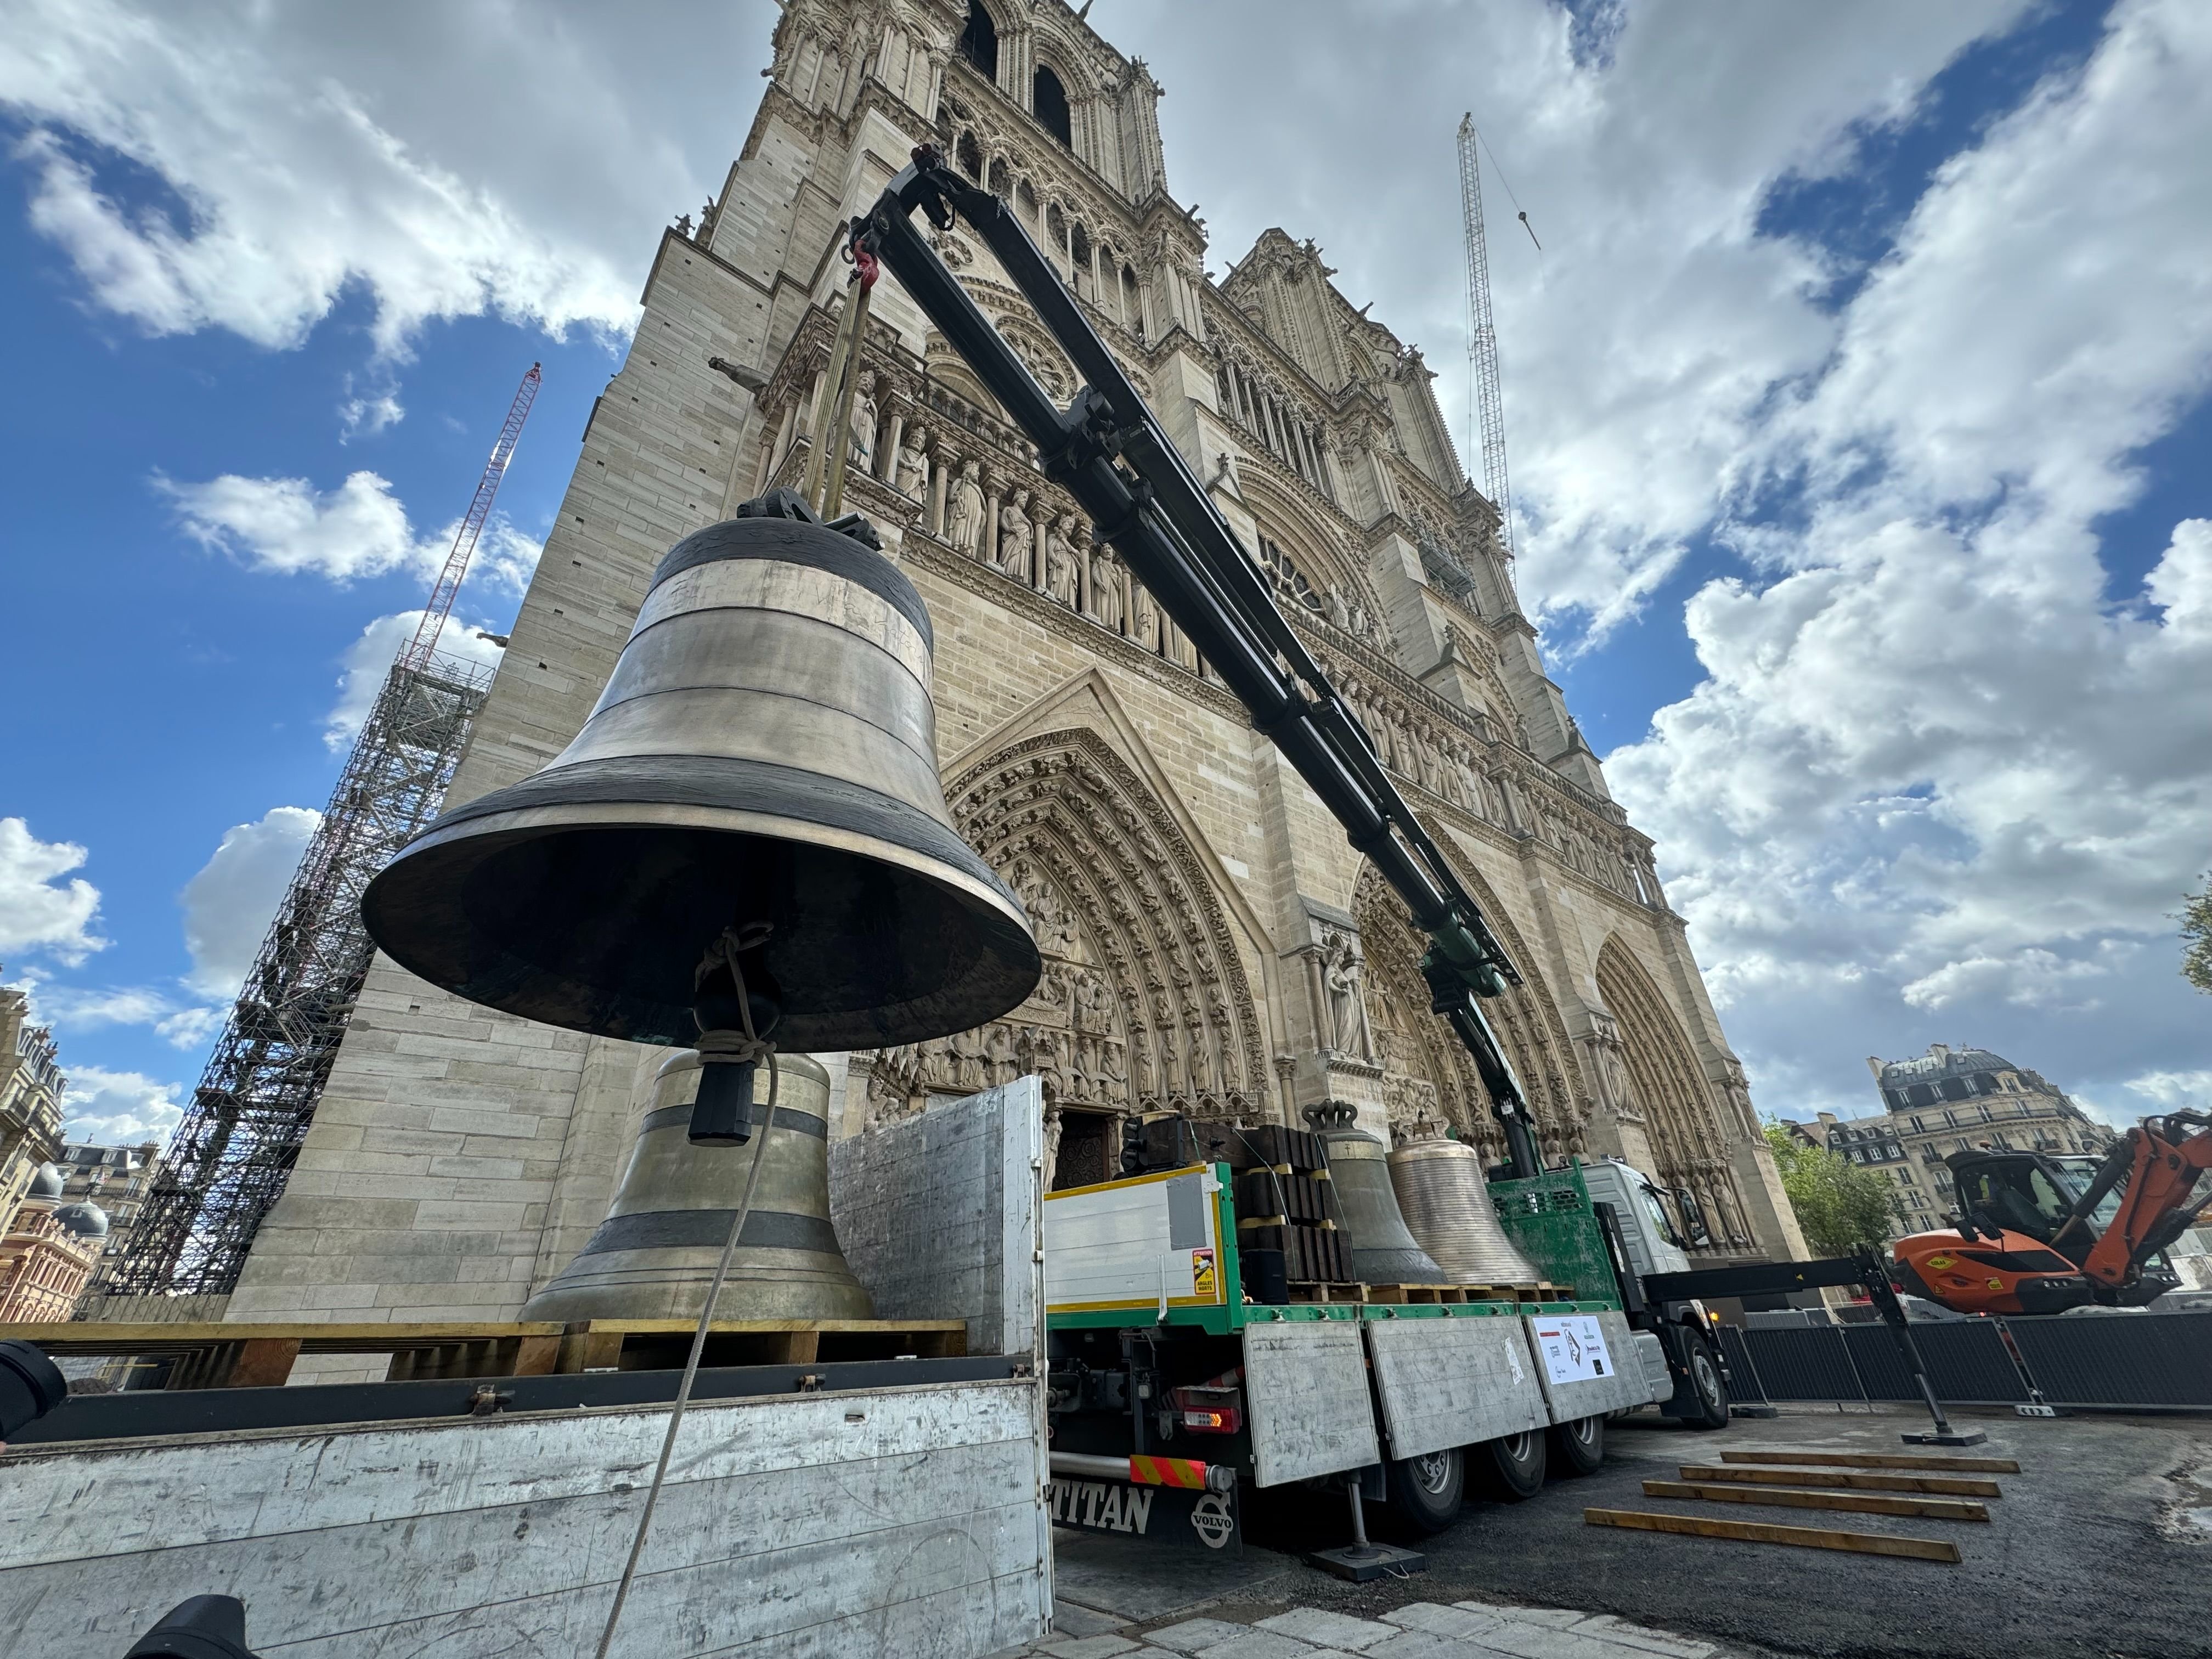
(1108, 450)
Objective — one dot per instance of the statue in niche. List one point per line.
(1015, 532)
(1349, 1032)
(1146, 630)
(1185, 653)
(1340, 609)
(1062, 572)
(913, 464)
(964, 519)
(998, 1054)
(1106, 588)
(864, 420)
(1049, 919)
(965, 1051)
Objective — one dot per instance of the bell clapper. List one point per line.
(734, 1013)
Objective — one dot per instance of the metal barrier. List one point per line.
(2149, 1361)
(2144, 1362)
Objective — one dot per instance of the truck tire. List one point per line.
(1579, 1446)
(1708, 1394)
(1425, 1492)
(1511, 1468)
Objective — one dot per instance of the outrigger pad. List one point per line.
(1362, 1563)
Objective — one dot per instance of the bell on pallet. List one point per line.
(755, 792)
(1382, 1252)
(654, 1254)
(1445, 1199)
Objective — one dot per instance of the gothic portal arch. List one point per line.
(1667, 1089)
(1144, 1005)
(1425, 1068)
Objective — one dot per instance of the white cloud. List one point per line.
(229, 903)
(359, 530)
(81, 1008)
(368, 659)
(118, 1109)
(36, 912)
(458, 161)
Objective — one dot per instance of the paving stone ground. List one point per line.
(1419, 1629)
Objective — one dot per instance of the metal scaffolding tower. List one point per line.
(229, 1161)
(1482, 337)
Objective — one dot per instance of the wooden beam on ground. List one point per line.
(1949, 1486)
(1862, 1503)
(1759, 1532)
(1879, 1461)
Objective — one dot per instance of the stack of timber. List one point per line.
(1287, 1231)
(1938, 1488)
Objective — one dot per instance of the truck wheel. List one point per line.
(1511, 1468)
(1708, 1401)
(1425, 1490)
(1579, 1445)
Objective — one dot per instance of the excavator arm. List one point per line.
(2162, 1163)
(1108, 451)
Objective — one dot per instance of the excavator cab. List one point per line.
(2038, 1234)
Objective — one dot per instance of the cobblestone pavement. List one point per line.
(1419, 1629)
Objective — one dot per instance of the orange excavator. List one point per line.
(2038, 1234)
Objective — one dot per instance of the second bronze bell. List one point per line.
(654, 1256)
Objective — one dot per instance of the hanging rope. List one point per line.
(752, 1048)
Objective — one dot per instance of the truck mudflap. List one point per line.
(1306, 1398)
(1447, 1382)
(1179, 1517)
(1589, 1364)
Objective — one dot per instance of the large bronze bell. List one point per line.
(760, 772)
(1382, 1252)
(1445, 1199)
(654, 1256)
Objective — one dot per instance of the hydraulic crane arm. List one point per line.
(2160, 1163)
(1108, 451)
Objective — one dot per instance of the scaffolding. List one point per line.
(230, 1158)
(1486, 402)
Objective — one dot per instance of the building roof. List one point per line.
(85, 1220)
(1942, 1060)
(46, 1182)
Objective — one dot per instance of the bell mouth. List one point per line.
(592, 916)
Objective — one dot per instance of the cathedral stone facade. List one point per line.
(1212, 943)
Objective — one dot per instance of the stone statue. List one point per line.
(1145, 629)
(1347, 1015)
(1106, 588)
(964, 519)
(864, 419)
(1339, 612)
(913, 465)
(1062, 572)
(1014, 535)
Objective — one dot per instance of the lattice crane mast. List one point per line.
(230, 1158)
(1487, 402)
(417, 654)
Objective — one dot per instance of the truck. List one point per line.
(1175, 1395)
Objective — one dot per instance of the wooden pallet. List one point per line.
(1307, 1291)
(220, 1355)
(1315, 1293)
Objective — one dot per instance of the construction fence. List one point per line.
(2147, 1362)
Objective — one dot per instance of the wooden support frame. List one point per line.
(1760, 1532)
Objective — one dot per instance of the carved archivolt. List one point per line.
(1425, 1068)
(1666, 1085)
(1143, 1004)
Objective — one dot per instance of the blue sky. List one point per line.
(1857, 395)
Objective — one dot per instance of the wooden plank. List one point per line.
(537, 1356)
(92, 1337)
(587, 1350)
(1760, 1532)
(1950, 1485)
(1862, 1502)
(1879, 1461)
(263, 1363)
(740, 1327)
